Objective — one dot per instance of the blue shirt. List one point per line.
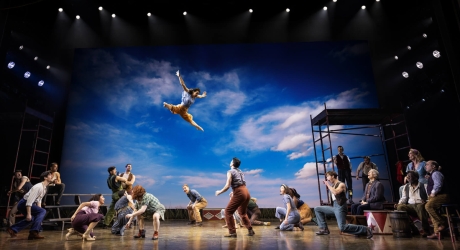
(187, 99)
(287, 199)
(421, 171)
(438, 180)
(193, 195)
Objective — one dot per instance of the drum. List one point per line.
(378, 221)
(400, 224)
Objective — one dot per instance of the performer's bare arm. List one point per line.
(58, 178)
(202, 95)
(131, 182)
(341, 188)
(120, 179)
(182, 83)
(227, 185)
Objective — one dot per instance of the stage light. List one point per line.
(423, 99)
(436, 54)
(405, 74)
(377, 0)
(21, 47)
(36, 58)
(11, 65)
(100, 8)
(409, 48)
(424, 35)
(363, 7)
(27, 74)
(396, 57)
(113, 15)
(250, 10)
(442, 90)
(78, 17)
(408, 107)
(334, 1)
(40, 83)
(149, 14)
(419, 65)
(60, 9)
(287, 10)
(324, 8)
(48, 67)
(185, 13)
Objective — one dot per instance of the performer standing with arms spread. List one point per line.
(239, 200)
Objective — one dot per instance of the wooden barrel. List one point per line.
(400, 224)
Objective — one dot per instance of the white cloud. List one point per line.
(144, 181)
(308, 170)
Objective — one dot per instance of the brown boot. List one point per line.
(155, 235)
(33, 235)
(141, 234)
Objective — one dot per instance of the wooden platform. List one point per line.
(175, 234)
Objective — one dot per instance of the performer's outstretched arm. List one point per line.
(182, 82)
(202, 95)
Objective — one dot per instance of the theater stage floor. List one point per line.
(175, 234)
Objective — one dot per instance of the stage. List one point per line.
(175, 234)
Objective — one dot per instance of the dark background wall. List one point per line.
(388, 25)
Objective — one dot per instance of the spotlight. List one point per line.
(185, 13)
(408, 107)
(396, 57)
(409, 48)
(78, 17)
(442, 90)
(27, 74)
(363, 7)
(334, 1)
(436, 54)
(36, 58)
(40, 83)
(113, 15)
(100, 8)
(405, 74)
(250, 10)
(48, 67)
(287, 10)
(324, 8)
(11, 65)
(424, 35)
(377, 0)
(419, 65)
(149, 14)
(423, 99)
(60, 9)
(21, 47)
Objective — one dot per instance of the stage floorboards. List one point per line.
(175, 234)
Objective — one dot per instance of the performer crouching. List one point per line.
(239, 201)
(147, 205)
(124, 206)
(86, 217)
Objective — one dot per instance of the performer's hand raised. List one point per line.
(177, 73)
(217, 192)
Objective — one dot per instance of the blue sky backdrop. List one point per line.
(260, 98)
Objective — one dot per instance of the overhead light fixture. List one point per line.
(48, 67)
(100, 8)
(287, 10)
(113, 15)
(407, 107)
(423, 99)
(424, 35)
(185, 13)
(11, 65)
(78, 17)
(324, 8)
(36, 58)
(41, 82)
(405, 74)
(409, 47)
(377, 0)
(334, 1)
(27, 74)
(436, 54)
(149, 14)
(363, 7)
(442, 90)
(250, 10)
(21, 47)
(396, 57)
(419, 65)
(60, 9)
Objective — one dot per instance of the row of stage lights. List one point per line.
(419, 65)
(27, 74)
(185, 12)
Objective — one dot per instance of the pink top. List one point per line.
(93, 208)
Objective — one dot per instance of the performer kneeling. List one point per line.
(288, 215)
(147, 205)
(86, 217)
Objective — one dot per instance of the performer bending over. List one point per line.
(21, 185)
(30, 206)
(86, 217)
(147, 205)
(288, 215)
(124, 206)
(196, 203)
(240, 199)
(188, 98)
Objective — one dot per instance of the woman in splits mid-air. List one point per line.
(188, 98)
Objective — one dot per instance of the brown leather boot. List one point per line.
(33, 235)
(155, 235)
(141, 234)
